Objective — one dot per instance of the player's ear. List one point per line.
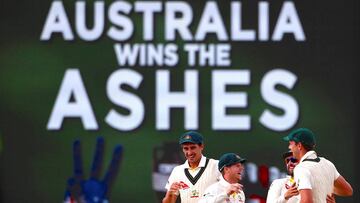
(300, 146)
(226, 168)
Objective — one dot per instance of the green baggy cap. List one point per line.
(229, 159)
(191, 137)
(302, 135)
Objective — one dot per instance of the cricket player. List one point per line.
(316, 177)
(228, 189)
(284, 190)
(190, 179)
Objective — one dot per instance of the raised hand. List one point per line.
(292, 191)
(234, 188)
(92, 190)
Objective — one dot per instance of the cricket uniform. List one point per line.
(216, 193)
(194, 181)
(316, 173)
(277, 190)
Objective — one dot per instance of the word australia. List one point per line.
(172, 20)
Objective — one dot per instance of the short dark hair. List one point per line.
(308, 147)
(287, 154)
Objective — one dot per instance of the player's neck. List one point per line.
(302, 153)
(194, 165)
(230, 180)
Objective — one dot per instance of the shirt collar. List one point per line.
(201, 163)
(309, 154)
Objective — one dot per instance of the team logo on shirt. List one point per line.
(194, 194)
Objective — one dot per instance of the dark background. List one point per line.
(35, 163)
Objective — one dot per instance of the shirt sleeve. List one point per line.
(336, 173)
(303, 178)
(171, 178)
(274, 194)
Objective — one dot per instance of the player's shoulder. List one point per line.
(301, 165)
(213, 161)
(325, 160)
(213, 164)
(179, 168)
(305, 164)
(302, 168)
(279, 181)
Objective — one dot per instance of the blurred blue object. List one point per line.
(93, 190)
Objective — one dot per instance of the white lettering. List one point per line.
(124, 99)
(80, 21)
(188, 99)
(288, 22)
(57, 21)
(222, 100)
(280, 100)
(72, 85)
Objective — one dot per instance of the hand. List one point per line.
(234, 188)
(292, 191)
(330, 198)
(174, 188)
(92, 190)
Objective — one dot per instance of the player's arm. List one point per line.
(303, 179)
(169, 198)
(342, 187)
(172, 193)
(306, 196)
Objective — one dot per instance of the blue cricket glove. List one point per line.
(92, 190)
